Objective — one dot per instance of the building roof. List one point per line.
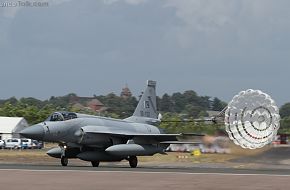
(96, 102)
(8, 124)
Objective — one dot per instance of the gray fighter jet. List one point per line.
(100, 139)
(251, 120)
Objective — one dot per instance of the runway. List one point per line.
(149, 169)
(269, 170)
(44, 177)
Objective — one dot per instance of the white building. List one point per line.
(10, 126)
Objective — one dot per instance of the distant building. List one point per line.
(126, 93)
(91, 103)
(10, 126)
(95, 105)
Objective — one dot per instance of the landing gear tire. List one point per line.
(133, 161)
(64, 161)
(95, 163)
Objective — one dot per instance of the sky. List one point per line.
(214, 47)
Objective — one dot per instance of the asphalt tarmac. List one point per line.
(49, 177)
(151, 169)
(269, 170)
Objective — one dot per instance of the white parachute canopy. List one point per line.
(252, 119)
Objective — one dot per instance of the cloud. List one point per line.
(57, 2)
(203, 14)
(241, 23)
(199, 44)
(9, 12)
(131, 2)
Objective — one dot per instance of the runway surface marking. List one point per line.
(15, 179)
(149, 172)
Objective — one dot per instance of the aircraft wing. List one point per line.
(135, 135)
(156, 137)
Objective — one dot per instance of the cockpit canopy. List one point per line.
(62, 116)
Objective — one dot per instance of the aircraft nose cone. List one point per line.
(35, 132)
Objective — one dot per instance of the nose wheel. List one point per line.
(133, 161)
(64, 161)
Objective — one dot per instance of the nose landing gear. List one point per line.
(63, 158)
(133, 161)
(64, 161)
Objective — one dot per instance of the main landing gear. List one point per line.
(133, 161)
(95, 163)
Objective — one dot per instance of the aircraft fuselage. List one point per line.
(74, 130)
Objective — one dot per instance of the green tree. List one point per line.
(12, 100)
(190, 97)
(166, 104)
(218, 105)
(285, 125)
(285, 110)
(193, 111)
(178, 101)
(31, 101)
(205, 102)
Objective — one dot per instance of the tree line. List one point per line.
(34, 110)
(285, 118)
(176, 107)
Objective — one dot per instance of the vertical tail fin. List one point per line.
(147, 104)
(146, 110)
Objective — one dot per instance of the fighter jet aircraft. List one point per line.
(97, 139)
(251, 120)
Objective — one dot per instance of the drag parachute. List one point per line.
(252, 119)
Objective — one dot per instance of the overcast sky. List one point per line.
(215, 47)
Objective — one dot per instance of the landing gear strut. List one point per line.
(133, 161)
(64, 161)
(63, 158)
(95, 163)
